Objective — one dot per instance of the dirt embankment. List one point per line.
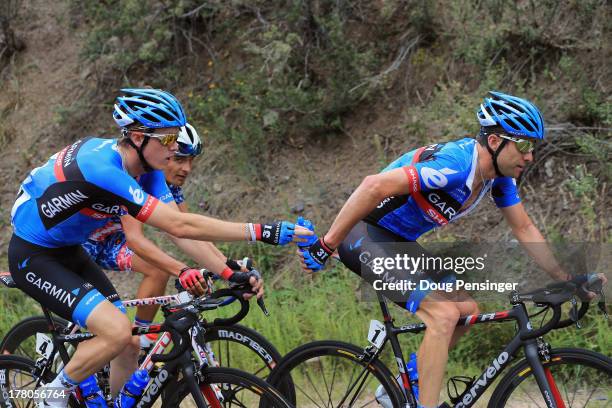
(42, 84)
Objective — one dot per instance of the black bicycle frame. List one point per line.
(156, 384)
(166, 373)
(502, 361)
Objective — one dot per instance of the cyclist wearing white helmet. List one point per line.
(121, 245)
(428, 188)
(72, 195)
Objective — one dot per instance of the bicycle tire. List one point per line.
(234, 386)
(14, 367)
(249, 338)
(306, 362)
(572, 366)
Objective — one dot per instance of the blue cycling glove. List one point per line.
(316, 255)
(310, 239)
(280, 233)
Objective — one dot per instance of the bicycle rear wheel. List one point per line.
(331, 374)
(228, 387)
(581, 378)
(21, 338)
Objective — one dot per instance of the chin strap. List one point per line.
(494, 154)
(145, 165)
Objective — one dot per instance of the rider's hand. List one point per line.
(584, 281)
(192, 280)
(314, 257)
(281, 233)
(304, 240)
(252, 278)
(236, 265)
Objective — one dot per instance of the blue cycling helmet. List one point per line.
(516, 116)
(189, 142)
(152, 108)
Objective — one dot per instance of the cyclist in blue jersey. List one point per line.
(61, 203)
(120, 245)
(429, 188)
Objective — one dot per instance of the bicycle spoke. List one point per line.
(331, 387)
(316, 388)
(360, 388)
(326, 386)
(229, 363)
(257, 372)
(307, 395)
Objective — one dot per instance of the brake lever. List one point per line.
(602, 305)
(247, 287)
(597, 287)
(262, 306)
(574, 313)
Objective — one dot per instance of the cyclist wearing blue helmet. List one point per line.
(75, 193)
(428, 188)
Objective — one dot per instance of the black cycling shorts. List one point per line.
(366, 243)
(65, 280)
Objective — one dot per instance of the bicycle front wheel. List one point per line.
(20, 380)
(228, 387)
(580, 378)
(331, 374)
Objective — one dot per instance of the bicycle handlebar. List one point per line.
(178, 324)
(237, 295)
(554, 296)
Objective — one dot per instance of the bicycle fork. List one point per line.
(543, 376)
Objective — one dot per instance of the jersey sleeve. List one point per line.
(119, 188)
(154, 183)
(442, 171)
(505, 192)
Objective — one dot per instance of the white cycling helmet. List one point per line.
(189, 142)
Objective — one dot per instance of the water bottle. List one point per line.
(132, 390)
(411, 368)
(413, 375)
(92, 394)
(302, 222)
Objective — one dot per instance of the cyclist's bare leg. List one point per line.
(124, 365)
(441, 319)
(467, 306)
(113, 334)
(153, 284)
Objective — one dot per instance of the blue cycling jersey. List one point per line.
(62, 202)
(177, 193)
(107, 245)
(440, 178)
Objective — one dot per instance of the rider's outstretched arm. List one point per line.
(532, 240)
(194, 226)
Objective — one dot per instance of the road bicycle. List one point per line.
(338, 374)
(187, 378)
(233, 345)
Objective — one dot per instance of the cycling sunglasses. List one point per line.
(524, 146)
(165, 139)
